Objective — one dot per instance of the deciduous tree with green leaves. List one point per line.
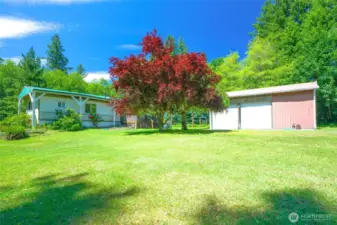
(11, 81)
(294, 41)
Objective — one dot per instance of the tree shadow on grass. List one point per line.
(304, 202)
(173, 131)
(66, 200)
(5, 188)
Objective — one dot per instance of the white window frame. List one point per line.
(90, 105)
(61, 105)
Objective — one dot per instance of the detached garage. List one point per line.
(281, 107)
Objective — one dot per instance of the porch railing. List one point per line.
(51, 116)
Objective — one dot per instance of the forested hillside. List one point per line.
(293, 41)
(56, 75)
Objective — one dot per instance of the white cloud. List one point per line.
(45, 2)
(96, 76)
(72, 27)
(129, 47)
(11, 27)
(15, 59)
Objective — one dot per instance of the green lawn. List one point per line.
(143, 177)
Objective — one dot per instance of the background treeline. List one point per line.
(293, 41)
(55, 74)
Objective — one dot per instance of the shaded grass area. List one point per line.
(56, 201)
(176, 131)
(304, 202)
(175, 177)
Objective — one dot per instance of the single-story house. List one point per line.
(42, 104)
(281, 107)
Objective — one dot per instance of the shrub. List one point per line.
(17, 120)
(69, 121)
(14, 132)
(95, 119)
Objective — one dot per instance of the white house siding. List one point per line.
(105, 111)
(48, 105)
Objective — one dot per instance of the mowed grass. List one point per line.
(144, 177)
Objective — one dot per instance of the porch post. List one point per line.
(81, 108)
(81, 103)
(19, 106)
(32, 99)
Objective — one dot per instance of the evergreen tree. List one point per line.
(182, 49)
(32, 68)
(178, 47)
(55, 57)
(80, 70)
(171, 42)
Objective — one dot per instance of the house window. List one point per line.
(61, 105)
(90, 108)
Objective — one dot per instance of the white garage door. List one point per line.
(256, 115)
(227, 120)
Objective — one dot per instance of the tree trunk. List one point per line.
(160, 121)
(184, 121)
(200, 120)
(192, 119)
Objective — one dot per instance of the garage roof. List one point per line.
(274, 90)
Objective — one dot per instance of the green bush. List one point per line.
(14, 132)
(17, 120)
(95, 119)
(69, 121)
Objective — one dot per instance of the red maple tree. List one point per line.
(158, 82)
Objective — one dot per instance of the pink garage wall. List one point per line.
(293, 108)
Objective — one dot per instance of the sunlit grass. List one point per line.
(144, 177)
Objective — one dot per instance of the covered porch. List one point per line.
(42, 104)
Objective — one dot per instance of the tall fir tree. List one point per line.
(32, 68)
(55, 55)
(80, 70)
(171, 42)
(181, 46)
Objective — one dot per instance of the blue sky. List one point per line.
(94, 30)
